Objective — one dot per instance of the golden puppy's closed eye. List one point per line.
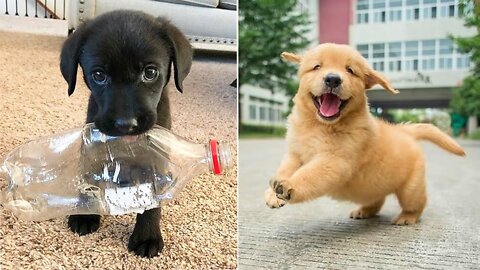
(337, 148)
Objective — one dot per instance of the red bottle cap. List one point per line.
(217, 168)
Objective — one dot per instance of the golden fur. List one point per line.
(354, 157)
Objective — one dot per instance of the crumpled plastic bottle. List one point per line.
(84, 171)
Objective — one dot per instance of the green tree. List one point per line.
(266, 29)
(466, 98)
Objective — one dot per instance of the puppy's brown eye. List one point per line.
(150, 73)
(350, 70)
(317, 67)
(99, 77)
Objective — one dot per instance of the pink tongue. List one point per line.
(329, 104)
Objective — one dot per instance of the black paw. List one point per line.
(281, 188)
(145, 245)
(83, 224)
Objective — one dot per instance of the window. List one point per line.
(272, 115)
(448, 8)
(362, 11)
(445, 63)
(411, 55)
(446, 54)
(428, 53)
(263, 113)
(414, 55)
(412, 10)
(463, 62)
(378, 3)
(428, 64)
(395, 3)
(395, 54)
(429, 12)
(411, 64)
(363, 50)
(379, 66)
(362, 4)
(378, 55)
(395, 13)
(379, 13)
(443, 11)
(253, 112)
(413, 13)
(362, 18)
(395, 65)
(451, 11)
(411, 48)
(395, 49)
(428, 47)
(426, 13)
(379, 16)
(446, 46)
(378, 50)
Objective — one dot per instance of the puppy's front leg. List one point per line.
(146, 239)
(316, 178)
(290, 163)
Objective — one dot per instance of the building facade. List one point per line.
(262, 107)
(408, 41)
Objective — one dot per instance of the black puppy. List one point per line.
(126, 57)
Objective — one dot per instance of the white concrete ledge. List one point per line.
(33, 25)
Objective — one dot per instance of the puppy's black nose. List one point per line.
(126, 125)
(332, 80)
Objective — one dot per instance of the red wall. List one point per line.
(335, 16)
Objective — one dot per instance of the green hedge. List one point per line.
(275, 131)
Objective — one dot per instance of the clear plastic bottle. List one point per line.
(84, 171)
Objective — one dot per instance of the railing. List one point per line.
(51, 9)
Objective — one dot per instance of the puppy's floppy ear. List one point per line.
(70, 56)
(291, 57)
(372, 78)
(182, 53)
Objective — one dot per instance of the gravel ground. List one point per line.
(320, 235)
(199, 227)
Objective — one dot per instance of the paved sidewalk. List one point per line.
(319, 234)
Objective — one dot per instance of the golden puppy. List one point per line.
(338, 149)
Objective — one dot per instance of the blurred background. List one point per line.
(429, 49)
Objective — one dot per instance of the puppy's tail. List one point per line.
(431, 133)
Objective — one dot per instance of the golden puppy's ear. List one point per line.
(291, 57)
(373, 78)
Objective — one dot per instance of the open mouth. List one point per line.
(329, 106)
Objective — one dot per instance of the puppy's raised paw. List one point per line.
(282, 189)
(271, 199)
